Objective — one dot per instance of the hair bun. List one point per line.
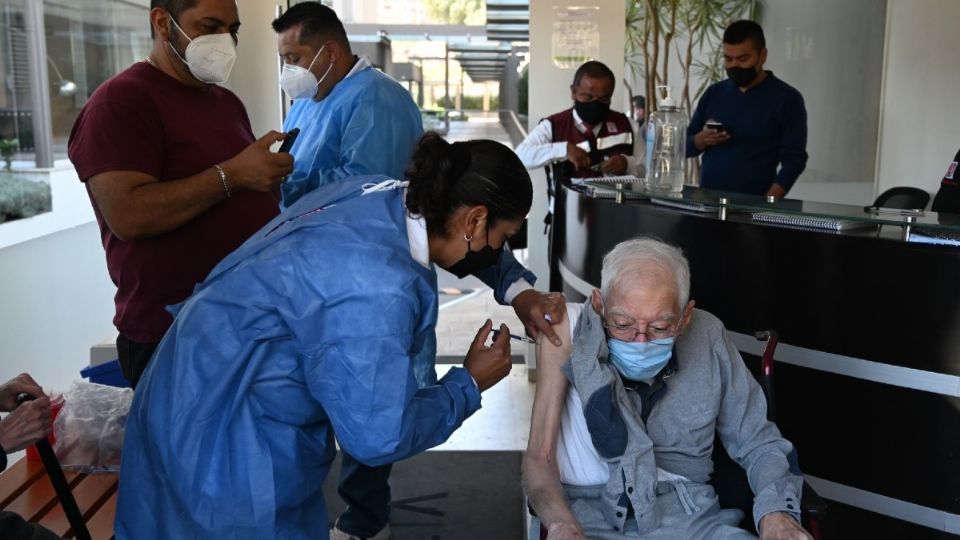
(429, 170)
(444, 177)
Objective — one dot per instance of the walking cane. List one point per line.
(59, 481)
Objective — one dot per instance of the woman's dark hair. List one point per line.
(444, 177)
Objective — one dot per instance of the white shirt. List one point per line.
(363, 62)
(577, 459)
(538, 148)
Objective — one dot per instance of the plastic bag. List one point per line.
(89, 428)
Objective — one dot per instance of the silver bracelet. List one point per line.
(223, 178)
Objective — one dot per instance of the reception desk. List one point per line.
(868, 369)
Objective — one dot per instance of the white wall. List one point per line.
(832, 52)
(56, 296)
(256, 75)
(57, 301)
(920, 120)
(550, 93)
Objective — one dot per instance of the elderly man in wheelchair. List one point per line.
(626, 413)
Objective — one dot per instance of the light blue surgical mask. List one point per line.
(640, 360)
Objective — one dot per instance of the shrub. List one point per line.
(22, 198)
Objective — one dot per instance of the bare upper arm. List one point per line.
(112, 191)
(550, 395)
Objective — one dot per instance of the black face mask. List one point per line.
(476, 260)
(742, 76)
(591, 112)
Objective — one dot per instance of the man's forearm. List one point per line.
(535, 155)
(546, 493)
(151, 208)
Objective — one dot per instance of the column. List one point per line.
(39, 83)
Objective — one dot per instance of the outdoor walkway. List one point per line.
(504, 421)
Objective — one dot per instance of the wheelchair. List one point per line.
(730, 480)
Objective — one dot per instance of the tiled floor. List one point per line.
(504, 421)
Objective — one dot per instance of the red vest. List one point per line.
(608, 142)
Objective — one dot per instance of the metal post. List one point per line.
(39, 83)
(446, 82)
(420, 84)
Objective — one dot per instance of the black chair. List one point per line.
(905, 198)
(901, 198)
(730, 480)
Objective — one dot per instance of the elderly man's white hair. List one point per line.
(631, 257)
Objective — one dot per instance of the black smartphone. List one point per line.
(288, 141)
(717, 126)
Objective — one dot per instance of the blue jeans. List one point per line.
(366, 490)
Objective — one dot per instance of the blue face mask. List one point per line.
(638, 360)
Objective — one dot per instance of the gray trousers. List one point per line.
(688, 511)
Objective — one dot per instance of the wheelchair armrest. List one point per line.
(811, 503)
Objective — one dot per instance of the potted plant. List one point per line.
(687, 34)
(7, 149)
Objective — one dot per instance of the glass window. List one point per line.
(15, 116)
(87, 42)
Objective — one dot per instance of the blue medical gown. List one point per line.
(310, 328)
(368, 124)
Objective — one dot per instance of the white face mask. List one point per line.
(301, 83)
(209, 57)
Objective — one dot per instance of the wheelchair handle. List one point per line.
(772, 338)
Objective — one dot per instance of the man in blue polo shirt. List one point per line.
(749, 124)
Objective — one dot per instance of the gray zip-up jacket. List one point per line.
(710, 391)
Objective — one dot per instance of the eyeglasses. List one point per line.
(653, 331)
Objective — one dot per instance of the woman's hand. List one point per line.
(489, 365)
(539, 312)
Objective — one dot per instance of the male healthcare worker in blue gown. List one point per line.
(354, 120)
(322, 322)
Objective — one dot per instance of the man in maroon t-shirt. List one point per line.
(174, 174)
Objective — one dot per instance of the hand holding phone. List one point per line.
(288, 141)
(716, 126)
